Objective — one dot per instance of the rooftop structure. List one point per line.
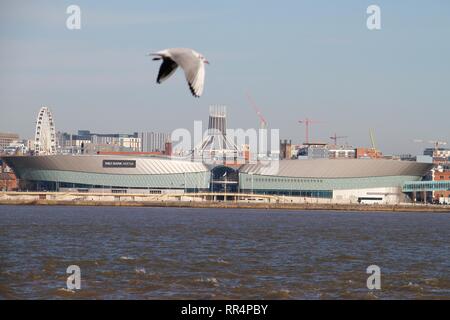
(215, 145)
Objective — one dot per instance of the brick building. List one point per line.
(441, 176)
(8, 180)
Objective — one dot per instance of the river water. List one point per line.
(175, 253)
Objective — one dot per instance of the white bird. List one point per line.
(192, 62)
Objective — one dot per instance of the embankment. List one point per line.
(231, 204)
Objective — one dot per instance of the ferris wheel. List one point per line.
(45, 136)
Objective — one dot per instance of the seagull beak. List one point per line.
(206, 61)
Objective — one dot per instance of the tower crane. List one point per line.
(262, 120)
(372, 139)
(335, 138)
(307, 122)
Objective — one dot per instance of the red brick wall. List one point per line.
(8, 181)
(441, 176)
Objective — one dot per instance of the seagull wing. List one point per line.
(194, 69)
(167, 68)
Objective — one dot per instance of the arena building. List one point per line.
(341, 181)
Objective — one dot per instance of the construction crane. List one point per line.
(336, 137)
(307, 122)
(372, 139)
(262, 120)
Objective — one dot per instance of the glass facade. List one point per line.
(426, 186)
(327, 194)
(268, 183)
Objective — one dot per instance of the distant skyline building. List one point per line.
(153, 141)
(285, 149)
(87, 142)
(313, 151)
(342, 153)
(7, 138)
(439, 155)
(63, 139)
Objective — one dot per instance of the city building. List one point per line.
(313, 151)
(342, 153)
(347, 181)
(7, 138)
(437, 152)
(440, 156)
(86, 142)
(153, 141)
(8, 180)
(109, 172)
(406, 157)
(285, 149)
(441, 196)
(16, 148)
(324, 151)
(368, 153)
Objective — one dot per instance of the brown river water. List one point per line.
(176, 253)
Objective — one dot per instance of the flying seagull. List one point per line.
(192, 62)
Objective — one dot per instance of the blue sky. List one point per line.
(298, 59)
